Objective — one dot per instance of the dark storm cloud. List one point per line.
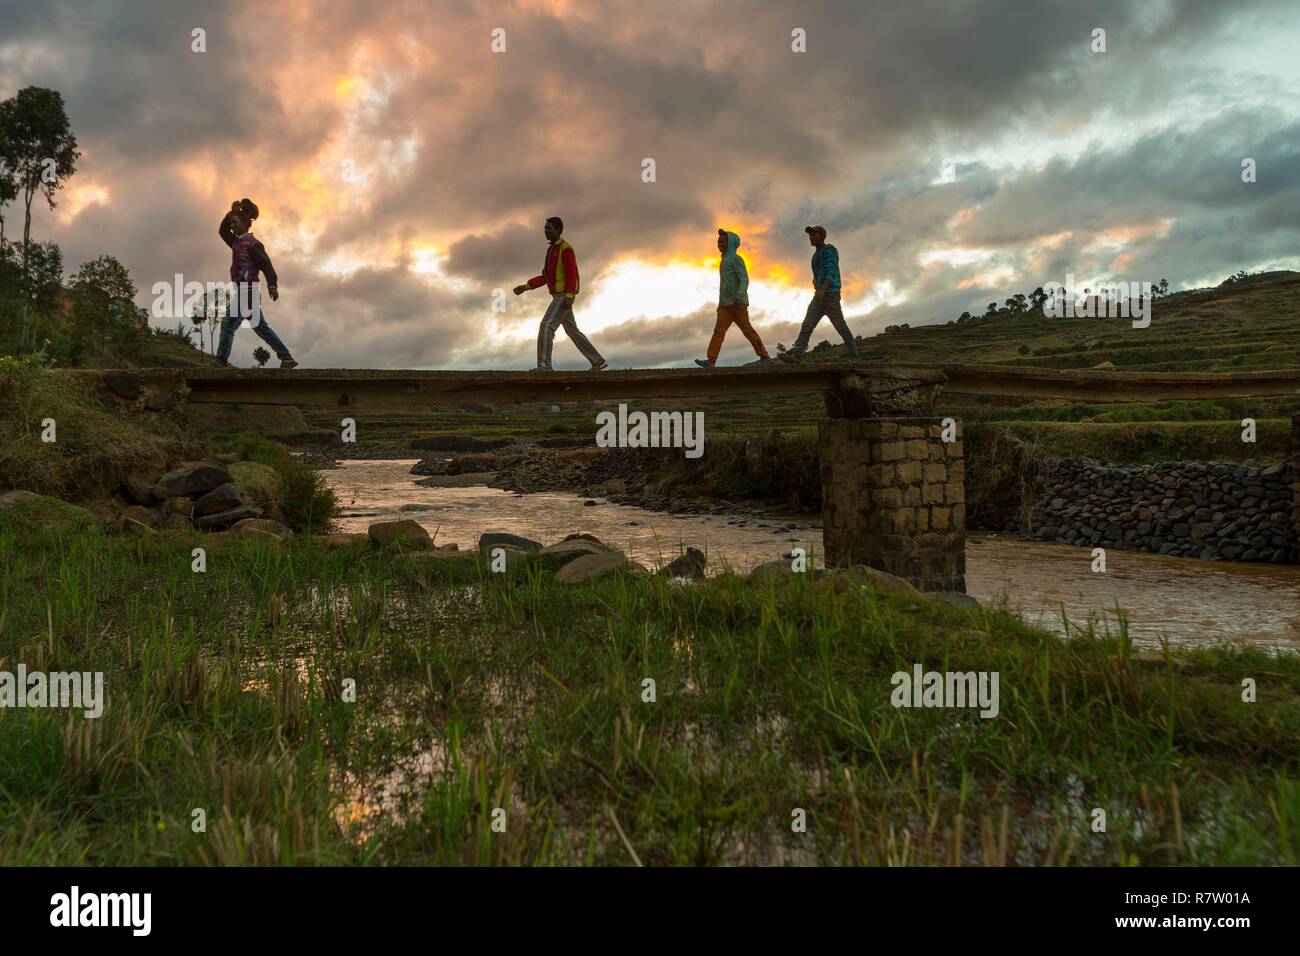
(848, 135)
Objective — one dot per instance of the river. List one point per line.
(1184, 601)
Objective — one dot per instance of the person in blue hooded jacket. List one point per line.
(826, 296)
(733, 301)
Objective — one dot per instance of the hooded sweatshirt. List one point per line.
(733, 280)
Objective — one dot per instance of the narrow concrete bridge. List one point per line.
(892, 473)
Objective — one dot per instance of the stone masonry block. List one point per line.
(893, 451)
(910, 472)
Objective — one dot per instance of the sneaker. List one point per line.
(597, 366)
(288, 363)
(704, 363)
(542, 368)
(792, 357)
(765, 360)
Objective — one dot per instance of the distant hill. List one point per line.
(131, 343)
(1252, 323)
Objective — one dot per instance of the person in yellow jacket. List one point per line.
(560, 276)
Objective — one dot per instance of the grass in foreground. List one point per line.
(477, 691)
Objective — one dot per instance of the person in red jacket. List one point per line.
(560, 276)
(248, 259)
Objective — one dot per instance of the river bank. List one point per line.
(1214, 511)
(1188, 603)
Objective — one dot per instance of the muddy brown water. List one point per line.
(1186, 602)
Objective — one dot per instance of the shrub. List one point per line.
(306, 501)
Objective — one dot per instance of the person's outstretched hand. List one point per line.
(521, 289)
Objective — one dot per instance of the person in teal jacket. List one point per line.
(826, 296)
(733, 301)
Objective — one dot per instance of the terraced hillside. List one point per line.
(1251, 325)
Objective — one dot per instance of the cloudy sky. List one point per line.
(404, 169)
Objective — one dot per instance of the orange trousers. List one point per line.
(739, 314)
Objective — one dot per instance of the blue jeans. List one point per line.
(828, 307)
(230, 324)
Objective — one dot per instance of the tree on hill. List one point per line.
(261, 356)
(207, 315)
(44, 275)
(104, 291)
(992, 309)
(8, 183)
(38, 147)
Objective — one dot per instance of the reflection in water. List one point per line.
(1182, 600)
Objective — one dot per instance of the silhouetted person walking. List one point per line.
(560, 276)
(248, 258)
(733, 301)
(826, 296)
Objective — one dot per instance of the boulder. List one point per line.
(192, 478)
(345, 540)
(583, 536)
(592, 567)
(223, 518)
(11, 499)
(224, 497)
(512, 554)
(955, 598)
(139, 515)
(436, 556)
(123, 385)
(565, 551)
(878, 580)
(177, 523)
(258, 534)
(183, 506)
(161, 401)
(248, 525)
(688, 565)
(493, 539)
(139, 492)
(771, 569)
(28, 511)
(258, 484)
(406, 533)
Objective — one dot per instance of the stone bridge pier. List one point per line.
(893, 490)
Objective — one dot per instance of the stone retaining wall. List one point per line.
(1237, 512)
(1295, 473)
